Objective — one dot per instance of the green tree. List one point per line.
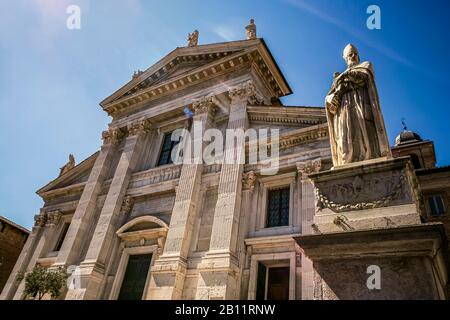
(41, 281)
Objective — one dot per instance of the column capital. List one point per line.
(245, 92)
(206, 104)
(139, 127)
(113, 136)
(40, 219)
(248, 180)
(53, 217)
(309, 167)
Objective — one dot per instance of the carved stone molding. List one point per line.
(205, 104)
(139, 127)
(363, 192)
(53, 217)
(127, 205)
(155, 175)
(309, 167)
(248, 180)
(245, 92)
(40, 219)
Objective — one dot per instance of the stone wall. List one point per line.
(12, 241)
(401, 278)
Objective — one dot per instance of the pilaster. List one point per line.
(307, 205)
(221, 261)
(83, 217)
(92, 269)
(169, 271)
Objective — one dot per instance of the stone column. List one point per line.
(83, 217)
(92, 269)
(168, 272)
(220, 264)
(307, 213)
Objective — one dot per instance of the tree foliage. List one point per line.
(41, 281)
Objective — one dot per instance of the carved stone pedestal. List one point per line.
(366, 195)
(369, 241)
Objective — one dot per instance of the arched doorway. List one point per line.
(142, 241)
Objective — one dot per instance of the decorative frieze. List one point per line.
(363, 192)
(155, 175)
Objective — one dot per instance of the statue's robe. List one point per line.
(356, 126)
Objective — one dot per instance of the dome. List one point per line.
(406, 137)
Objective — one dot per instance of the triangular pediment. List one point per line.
(182, 64)
(189, 65)
(77, 176)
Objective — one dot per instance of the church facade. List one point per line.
(135, 225)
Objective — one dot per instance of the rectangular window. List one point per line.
(166, 151)
(437, 207)
(278, 208)
(62, 236)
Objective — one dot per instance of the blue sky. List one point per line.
(52, 78)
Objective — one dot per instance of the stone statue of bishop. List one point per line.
(356, 125)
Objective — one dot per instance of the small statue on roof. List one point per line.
(193, 38)
(251, 30)
(68, 166)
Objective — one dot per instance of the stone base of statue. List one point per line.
(369, 241)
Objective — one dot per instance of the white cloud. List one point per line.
(225, 33)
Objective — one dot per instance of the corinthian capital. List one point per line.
(248, 180)
(205, 104)
(139, 127)
(113, 136)
(245, 92)
(40, 219)
(309, 167)
(53, 217)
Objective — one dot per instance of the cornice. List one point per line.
(288, 115)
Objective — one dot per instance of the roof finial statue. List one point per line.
(68, 166)
(137, 73)
(193, 38)
(251, 30)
